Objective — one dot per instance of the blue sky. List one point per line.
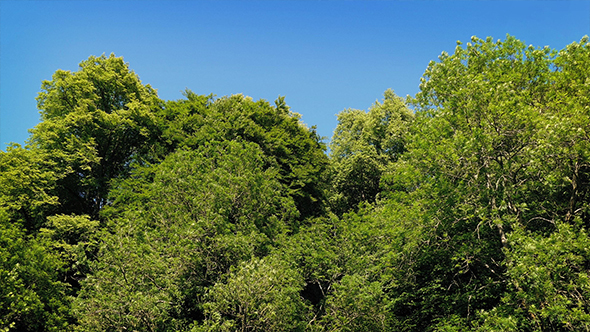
(324, 56)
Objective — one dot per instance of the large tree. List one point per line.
(94, 122)
(295, 150)
(500, 146)
(192, 218)
(32, 296)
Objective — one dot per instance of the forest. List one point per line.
(463, 208)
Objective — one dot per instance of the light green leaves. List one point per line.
(27, 185)
(32, 298)
(211, 214)
(95, 122)
(363, 146)
(356, 305)
(259, 295)
(549, 283)
(498, 148)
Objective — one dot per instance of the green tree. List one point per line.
(259, 295)
(197, 214)
(363, 145)
(491, 151)
(549, 285)
(31, 296)
(351, 264)
(293, 149)
(94, 122)
(547, 271)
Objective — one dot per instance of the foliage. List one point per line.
(27, 184)
(259, 295)
(125, 212)
(205, 211)
(94, 122)
(363, 145)
(549, 283)
(294, 150)
(493, 152)
(75, 239)
(31, 297)
(356, 305)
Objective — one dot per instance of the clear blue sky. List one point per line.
(324, 56)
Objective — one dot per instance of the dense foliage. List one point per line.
(466, 207)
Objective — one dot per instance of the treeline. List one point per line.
(464, 208)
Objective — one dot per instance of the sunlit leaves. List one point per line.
(294, 150)
(549, 283)
(32, 298)
(95, 121)
(363, 145)
(27, 185)
(211, 214)
(259, 295)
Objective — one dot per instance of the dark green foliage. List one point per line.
(205, 211)
(294, 150)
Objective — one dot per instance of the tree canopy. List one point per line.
(463, 208)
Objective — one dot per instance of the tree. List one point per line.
(549, 283)
(547, 271)
(94, 123)
(195, 216)
(289, 146)
(259, 295)
(31, 297)
(491, 151)
(363, 145)
(211, 214)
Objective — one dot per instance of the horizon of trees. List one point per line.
(463, 208)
